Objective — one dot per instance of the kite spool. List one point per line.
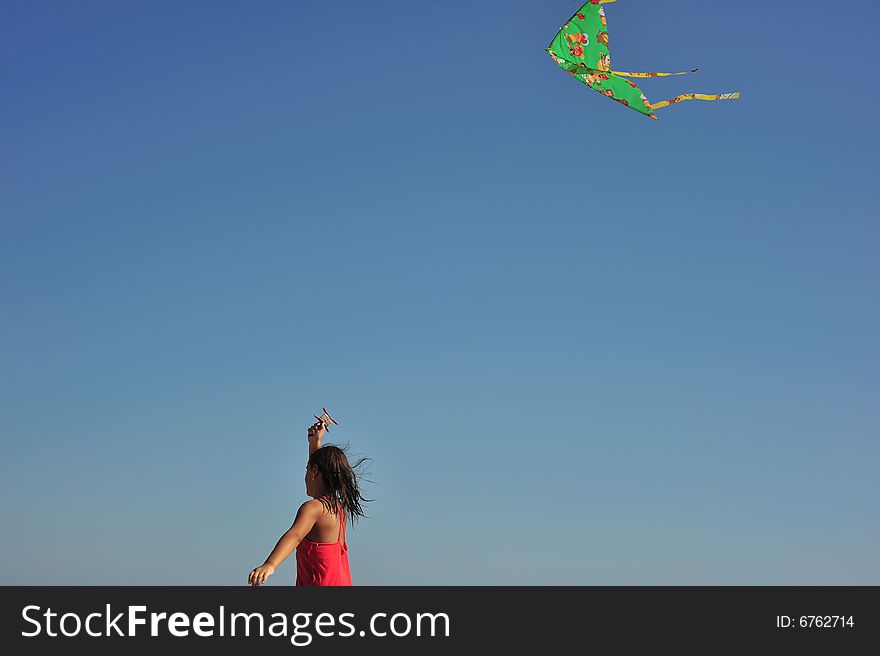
(326, 419)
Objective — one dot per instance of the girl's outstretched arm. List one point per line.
(306, 517)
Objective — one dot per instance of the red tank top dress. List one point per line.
(323, 563)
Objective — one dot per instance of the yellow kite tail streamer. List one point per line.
(695, 96)
(626, 74)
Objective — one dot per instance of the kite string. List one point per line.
(473, 206)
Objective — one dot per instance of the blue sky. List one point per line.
(581, 347)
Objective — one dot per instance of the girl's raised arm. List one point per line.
(316, 434)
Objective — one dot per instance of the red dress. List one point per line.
(324, 563)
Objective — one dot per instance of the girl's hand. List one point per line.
(259, 575)
(316, 432)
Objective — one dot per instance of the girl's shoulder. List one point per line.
(311, 508)
(316, 507)
(326, 526)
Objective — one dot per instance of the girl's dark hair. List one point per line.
(340, 480)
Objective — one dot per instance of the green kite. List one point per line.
(581, 50)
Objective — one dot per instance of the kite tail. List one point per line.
(695, 96)
(626, 74)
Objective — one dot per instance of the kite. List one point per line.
(581, 50)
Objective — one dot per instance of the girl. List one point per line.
(318, 532)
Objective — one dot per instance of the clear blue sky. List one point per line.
(582, 347)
